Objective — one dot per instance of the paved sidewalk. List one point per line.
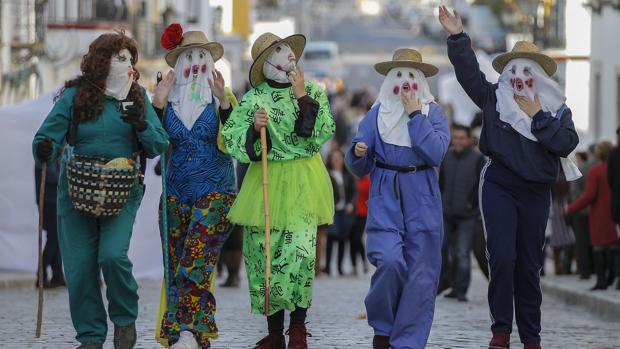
(573, 291)
(334, 319)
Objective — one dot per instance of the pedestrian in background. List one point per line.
(562, 238)
(603, 233)
(613, 177)
(51, 252)
(359, 225)
(345, 196)
(579, 220)
(458, 181)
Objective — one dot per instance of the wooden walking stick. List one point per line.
(40, 273)
(263, 142)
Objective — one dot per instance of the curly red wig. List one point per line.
(95, 67)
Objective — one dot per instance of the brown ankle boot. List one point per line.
(380, 342)
(500, 341)
(297, 336)
(532, 346)
(272, 341)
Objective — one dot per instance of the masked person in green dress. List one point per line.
(93, 116)
(298, 121)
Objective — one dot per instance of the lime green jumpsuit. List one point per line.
(89, 244)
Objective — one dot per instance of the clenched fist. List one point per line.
(260, 119)
(360, 149)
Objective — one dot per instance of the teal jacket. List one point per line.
(107, 136)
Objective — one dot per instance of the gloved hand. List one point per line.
(45, 148)
(134, 115)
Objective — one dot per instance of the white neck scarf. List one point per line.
(191, 92)
(392, 119)
(525, 77)
(120, 77)
(279, 63)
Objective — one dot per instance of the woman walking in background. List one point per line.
(345, 195)
(603, 235)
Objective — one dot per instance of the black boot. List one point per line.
(599, 269)
(125, 337)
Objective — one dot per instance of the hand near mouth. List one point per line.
(411, 103)
(529, 107)
(296, 78)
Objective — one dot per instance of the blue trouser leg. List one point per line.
(464, 240)
(385, 252)
(532, 213)
(499, 212)
(416, 307)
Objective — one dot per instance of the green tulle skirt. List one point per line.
(300, 194)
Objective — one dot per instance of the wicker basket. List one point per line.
(98, 190)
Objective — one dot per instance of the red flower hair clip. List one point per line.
(171, 37)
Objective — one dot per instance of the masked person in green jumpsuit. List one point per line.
(298, 121)
(106, 129)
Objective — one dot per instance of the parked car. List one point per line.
(321, 63)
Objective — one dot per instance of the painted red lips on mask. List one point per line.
(517, 84)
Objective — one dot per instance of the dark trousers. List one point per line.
(515, 214)
(356, 242)
(583, 249)
(456, 250)
(328, 254)
(51, 251)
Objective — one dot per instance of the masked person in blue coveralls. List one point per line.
(527, 134)
(400, 142)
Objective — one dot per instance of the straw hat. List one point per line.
(524, 49)
(264, 45)
(408, 58)
(194, 39)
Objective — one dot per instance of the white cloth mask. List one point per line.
(392, 119)
(525, 77)
(120, 77)
(191, 92)
(279, 63)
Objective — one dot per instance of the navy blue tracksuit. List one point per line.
(515, 190)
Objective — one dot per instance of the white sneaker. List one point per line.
(186, 341)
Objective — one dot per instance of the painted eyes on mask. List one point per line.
(278, 49)
(399, 74)
(526, 71)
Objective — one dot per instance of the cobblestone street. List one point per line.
(334, 320)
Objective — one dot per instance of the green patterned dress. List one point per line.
(300, 191)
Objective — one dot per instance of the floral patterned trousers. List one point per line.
(196, 234)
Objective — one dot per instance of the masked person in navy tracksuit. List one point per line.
(401, 140)
(527, 130)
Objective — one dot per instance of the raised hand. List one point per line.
(162, 90)
(411, 103)
(260, 119)
(296, 78)
(451, 22)
(216, 82)
(529, 107)
(360, 149)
